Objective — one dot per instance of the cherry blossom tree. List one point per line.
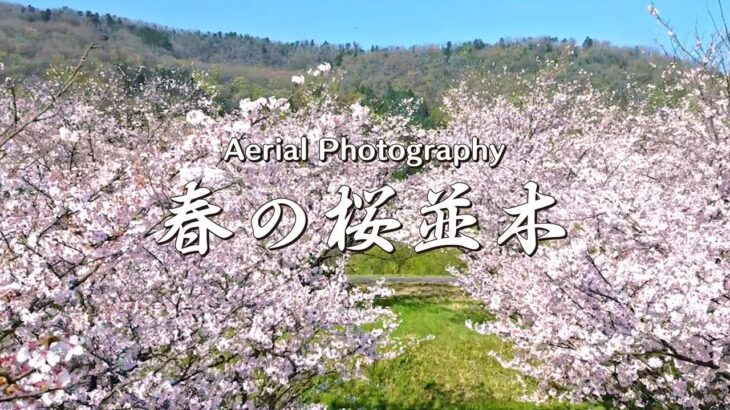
(633, 307)
(95, 313)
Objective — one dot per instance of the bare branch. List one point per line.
(17, 129)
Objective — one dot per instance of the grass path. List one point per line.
(404, 262)
(453, 370)
(451, 367)
(364, 279)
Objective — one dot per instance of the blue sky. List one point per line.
(415, 22)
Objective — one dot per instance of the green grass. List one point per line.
(404, 262)
(451, 371)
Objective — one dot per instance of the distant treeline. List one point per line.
(32, 39)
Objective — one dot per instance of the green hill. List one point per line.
(242, 65)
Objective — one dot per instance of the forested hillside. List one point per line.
(241, 65)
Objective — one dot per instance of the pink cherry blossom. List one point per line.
(96, 314)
